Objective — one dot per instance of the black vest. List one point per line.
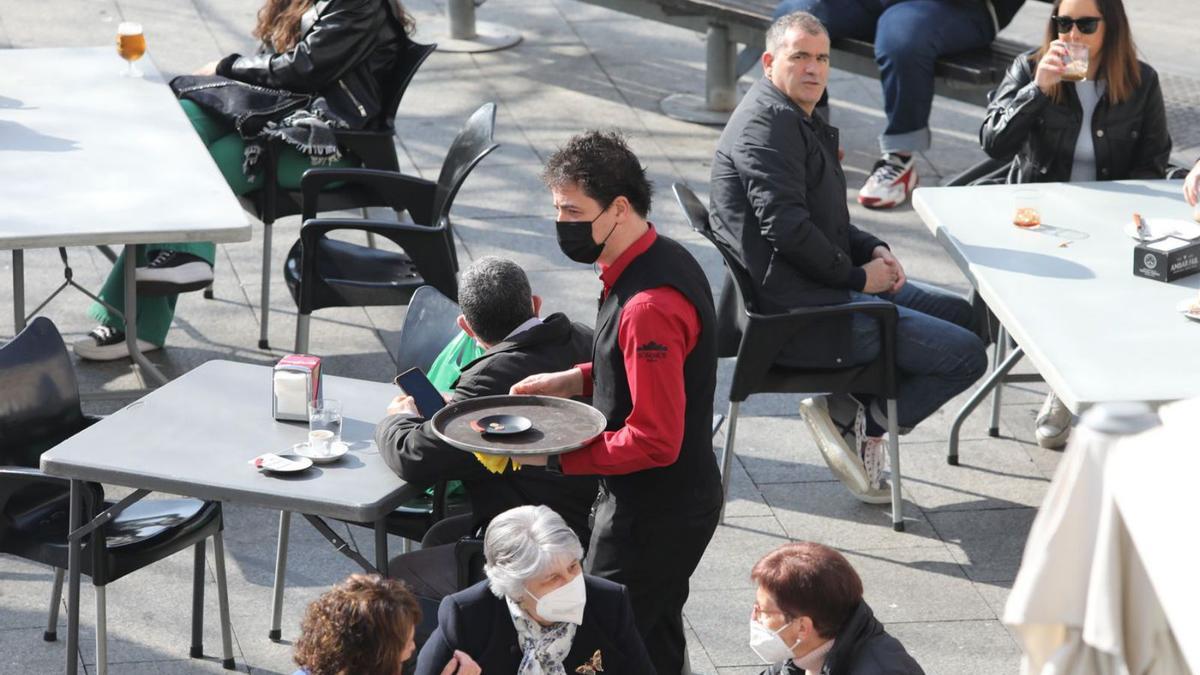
(693, 483)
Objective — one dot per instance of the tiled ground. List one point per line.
(940, 586)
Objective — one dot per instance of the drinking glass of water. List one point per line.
(324, 424)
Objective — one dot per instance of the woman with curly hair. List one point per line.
(364, 625)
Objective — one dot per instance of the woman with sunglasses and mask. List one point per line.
(1110, 126)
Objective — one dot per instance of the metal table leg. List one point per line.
(381, 547)
(1001, 352)
(281, 553)
(341, 545)
(76, 531)
(18, 262)
(74, 551)
(140, 359)
(990, 383)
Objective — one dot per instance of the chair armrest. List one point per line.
(766, 334)
(466, 550)
(93, 494)
(375, 147)
(402, 193)
(429, 248)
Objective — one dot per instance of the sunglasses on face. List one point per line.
(1087, 24)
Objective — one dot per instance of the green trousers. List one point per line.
(227, 149)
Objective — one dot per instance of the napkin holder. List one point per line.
(1167, 259)
(296, 385)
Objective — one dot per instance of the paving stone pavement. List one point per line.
(940, 587)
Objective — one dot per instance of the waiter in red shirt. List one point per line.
(653, 372)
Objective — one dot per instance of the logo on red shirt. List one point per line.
(652, 351)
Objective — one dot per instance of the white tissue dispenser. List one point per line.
(296, 385)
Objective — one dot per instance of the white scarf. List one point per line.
(543, 648)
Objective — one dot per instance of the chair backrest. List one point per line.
(473, 143)
(429, 325)
(412, 55)
(40, 405)
(697, 217)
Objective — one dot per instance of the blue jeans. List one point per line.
(909, 36)
(937, 355)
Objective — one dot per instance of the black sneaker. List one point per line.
(172, 272)
(106, 343)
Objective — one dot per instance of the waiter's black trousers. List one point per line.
(653, 552)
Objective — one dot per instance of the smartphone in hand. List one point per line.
(428, 399)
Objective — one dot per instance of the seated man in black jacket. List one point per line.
(779, 200)
(500, 312)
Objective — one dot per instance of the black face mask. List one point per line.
(575, 239)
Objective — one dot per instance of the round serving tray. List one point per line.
(559, 425)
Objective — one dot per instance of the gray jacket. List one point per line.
(779, 200)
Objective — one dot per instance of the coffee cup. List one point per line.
(320, 442)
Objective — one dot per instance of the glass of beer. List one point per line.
(131, 44)
(1077, 62)
(1026, 209)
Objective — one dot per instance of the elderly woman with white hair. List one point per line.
(537, 613)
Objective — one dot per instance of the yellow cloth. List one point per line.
(495, 463)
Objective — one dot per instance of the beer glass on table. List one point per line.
(131, 44)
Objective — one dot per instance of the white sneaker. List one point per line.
(842, 461)
(850, 418)
(1053, 423)
(106, 343)
(874, 456)
(171, 272)
(890, 182)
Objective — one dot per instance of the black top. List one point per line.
(417, 455)
(779, 199)
(346, 53)
(1130, 138)
(692, 484)
(477, 622)
(862, 647)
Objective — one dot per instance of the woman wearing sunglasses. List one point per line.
(1109, 126)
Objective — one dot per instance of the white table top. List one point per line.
(195, 435)
(1092, 329)
(88, 157)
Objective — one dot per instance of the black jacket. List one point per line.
(779, 199)
(477, 622)
(417, 455)
(1130, 138)
(862, 647)
(346, 54)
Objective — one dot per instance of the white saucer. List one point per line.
(1161, 228)
(1184, 308)
(336, 450)
(276, 463)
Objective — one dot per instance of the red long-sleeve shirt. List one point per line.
(653, 431)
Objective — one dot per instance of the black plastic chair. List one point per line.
(324, 272)
(374, 146)
(41, 410)
(429, 325)
(762, 336)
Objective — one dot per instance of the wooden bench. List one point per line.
(965, 76)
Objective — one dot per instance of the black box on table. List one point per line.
(1167, 259)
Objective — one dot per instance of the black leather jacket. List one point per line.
(346, 54)
(1130, 138)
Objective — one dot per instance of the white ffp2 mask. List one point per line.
(564, 603)
(767, 644)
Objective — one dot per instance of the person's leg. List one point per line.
(154, 317)
(909, 38)
(937, 355)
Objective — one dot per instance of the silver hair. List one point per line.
(802, 20)
(522, 544)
